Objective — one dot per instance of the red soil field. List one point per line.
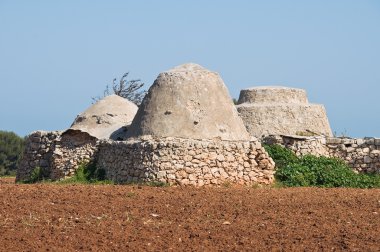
(50, 217)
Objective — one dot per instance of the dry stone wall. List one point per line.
(37, 153)
(363, 155)
(57, 155)
(72, 149)
(185, 161)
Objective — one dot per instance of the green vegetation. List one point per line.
(90, 174)
(11, 148)
(280, 155)
(155, 184)
(87, 173)
(38, 174)
(317, 171)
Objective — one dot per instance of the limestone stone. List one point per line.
(377, 141)
(275, 110)
(362, 157)
(360, 141)
(141, 169)
(367, 159)
(106, 119)
(188, 101)
(186, 132)
(273, 94)
(349, 149)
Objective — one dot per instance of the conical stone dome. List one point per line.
(188, 101)
(106, 118)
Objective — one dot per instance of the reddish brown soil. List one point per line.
(47, 217)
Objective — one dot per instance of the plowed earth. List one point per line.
(48, 217)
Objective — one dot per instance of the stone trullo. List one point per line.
(188, 101)
(274, 110)
(58, 154)
(187, 131)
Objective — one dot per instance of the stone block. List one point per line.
(369, 141)
(171, 176)
(44, 163)
(375, 152)
(367, 159)
(161, 174)
(359, 141)
(350, 149)
(333, 140)
(192, 177)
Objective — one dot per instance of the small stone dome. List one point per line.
(106, 119)
(276, 110)
(188, 101)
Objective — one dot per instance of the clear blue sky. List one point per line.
(56, 55)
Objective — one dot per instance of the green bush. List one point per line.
(280, 155)
(88, 173)
(11, 148)
(317, 171)
(38, 174)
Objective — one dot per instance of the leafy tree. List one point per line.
(11, 148)
(129, 89)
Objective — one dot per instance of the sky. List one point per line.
(56, 55)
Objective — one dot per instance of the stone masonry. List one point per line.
(108, 118)
(72, 149)
(187, 132)
(186, 161)
(362, 155)
(56, 154)
(60, 153)
(188, 101)
(277, 110)
(37, 153)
